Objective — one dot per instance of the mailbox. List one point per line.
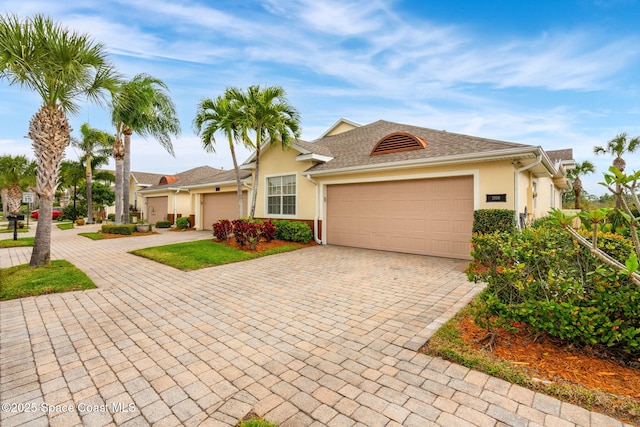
(15, 217)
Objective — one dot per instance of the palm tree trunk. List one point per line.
(15, 197)
(256, 180)
(49, 130)
(238, 183)
(89, 178)
(118, 154)
(126, 179)
(4, 193)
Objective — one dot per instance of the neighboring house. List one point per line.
(205, 194)
(387, 186)
(137, 182)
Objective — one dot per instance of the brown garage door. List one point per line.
(157, 209)
(221, 205)
(425, 216)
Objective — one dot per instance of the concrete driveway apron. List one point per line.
(324, 336)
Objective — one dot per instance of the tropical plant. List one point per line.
(221, 115)
(17, 173)
(71, 176)
(94, 146)
(266, 115)
(141, 105)
(581, 169)
(617, 147)
(61, 66)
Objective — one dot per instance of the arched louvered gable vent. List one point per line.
(398, 141)
(167, 179)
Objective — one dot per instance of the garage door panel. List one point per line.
(428, 216)
(157, 209)
(217, 206)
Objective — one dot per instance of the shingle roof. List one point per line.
(353, 148)
(147, 178)
(559, 155)
(201, 175)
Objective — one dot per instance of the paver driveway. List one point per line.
(324, 336)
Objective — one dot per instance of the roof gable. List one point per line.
(354, 148)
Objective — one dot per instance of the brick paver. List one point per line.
(324, 336)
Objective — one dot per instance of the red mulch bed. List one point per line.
(550, 359)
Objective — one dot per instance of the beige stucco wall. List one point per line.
(341, 128)
(197, 205)
(278, 162)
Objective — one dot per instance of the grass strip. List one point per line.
(191, 256)
(23, 281)
(92, 235)
(21, 241)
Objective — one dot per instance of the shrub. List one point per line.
(487, 221)
(246, 232)
(182, 222)
(543, 278)
(163, 224)
(222, 230)
(293, 231)
(126, 229)
(80, 210)
(268, 230)
(111, 217)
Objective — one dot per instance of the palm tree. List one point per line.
(266, 114)
(61, 66)
(222, 115)
(17, 174)
(574, 174)
(95, 147)
(619, 146)
(141, 105)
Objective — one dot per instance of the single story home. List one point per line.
(383, 185)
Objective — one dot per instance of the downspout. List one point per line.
(516, 193)
(175, 206)
(316, 216)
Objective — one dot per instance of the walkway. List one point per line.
(324, 336)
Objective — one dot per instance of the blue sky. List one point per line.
(557, 73)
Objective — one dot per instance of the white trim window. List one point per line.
(281, 195)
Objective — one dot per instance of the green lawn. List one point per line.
(3, 229)
(203, 253)
(65, 226)
(92, 235)
(22, 241)
(23, 281)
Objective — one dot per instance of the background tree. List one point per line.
(104, 196)
(72, 176)
(95, 147)
(17, 173)
(266, 115)
(141, 105)
(61, 66)
(581, 169)
(617, 147)
(220, 115)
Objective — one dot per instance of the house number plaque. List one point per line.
(496, 198)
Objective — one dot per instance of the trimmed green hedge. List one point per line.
(487, 221)
(182, 222)
(126, 229)
(163, 224)
(293, 231)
